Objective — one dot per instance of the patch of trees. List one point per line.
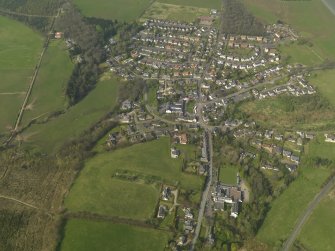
(132, 90)
(236, 19)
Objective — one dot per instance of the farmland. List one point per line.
(124, 10)
(48, 94)
(51, 135)
(18, 58)
(209, 4)
(324, 81)
(318, 233)
(310, 18)
(86, 235)
(174, 12)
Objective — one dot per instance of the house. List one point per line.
(58, 35)
(126, 105)
(203, 169)
(166, 193)
(174, 153)
(188, 213)
(291, 167)
(182, 138)
(309, 136)
(162, 212)
(330, 138)
(182, 240)
(295, 159)
(287, 153)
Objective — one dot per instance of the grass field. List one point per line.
(123, 10)
(228, 175)
(48, 94)
(286, 209)
(20, 49)
(174, 12)
(324, 81)
(51, 135)
(95, 191)
(311, 18)
(83, 235)
(318, 233)
(209, 4)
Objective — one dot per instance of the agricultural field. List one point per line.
(318, 233)
(209, 4)
(97, 190)
(88, 235)
(228, 175)
(174, 12)
(310, 18)
(20, 49)
(48, 94)
(52, 134)
(123, 10)
(287, 208)
(324, 81)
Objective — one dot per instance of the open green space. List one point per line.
(48, 94)
(96, 191)
(324, 81)
(310, 18)
(20, 49)
(52, 134)
(228, 175)
(81, 235)
(210, 4)
(318, 233)
(123, 10)
(174, 12)
(287, 208)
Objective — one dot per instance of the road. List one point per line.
(307, 213)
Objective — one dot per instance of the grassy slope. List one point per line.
(318, 233)
(213, 4)
(324, 81)
(53, 134)
(48, 93)
(311, 18)
(124, 10)
(83, 235)
(20, 48)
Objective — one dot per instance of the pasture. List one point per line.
(324, 81)
(174, 12)
(48, 94)
(122, 10)
(318, 233)
(209, 4)
(287, 208)
(19, 51)
(54, 133)
(103, 236)
(310, 18)
(96, 191)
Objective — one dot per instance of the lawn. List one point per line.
(174, 12)
(287, 208)
(324, 81)
(228, 175)
(53, 134)
(96, 191)
(48, 94)
(20, 49)
(310, 18)
(81, 235)
(209, 4)
(123, 10)
(318, 233)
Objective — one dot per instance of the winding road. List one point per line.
(307, 213)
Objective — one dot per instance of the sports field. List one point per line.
(82, 235)
(311, 19)
(209, 4)
(228, 175)
(123, 10)
(19, 51)
(51, 135)
(48, 94)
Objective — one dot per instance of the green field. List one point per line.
(324, 81)
(318, 233)
(228, 175)
(81, 235)
(124, 10)
(209, 4)
(286, 209)
(20, 49)
(174, 12)
(51, 135)
(95, 191)
(48, 94)
(310, 18)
